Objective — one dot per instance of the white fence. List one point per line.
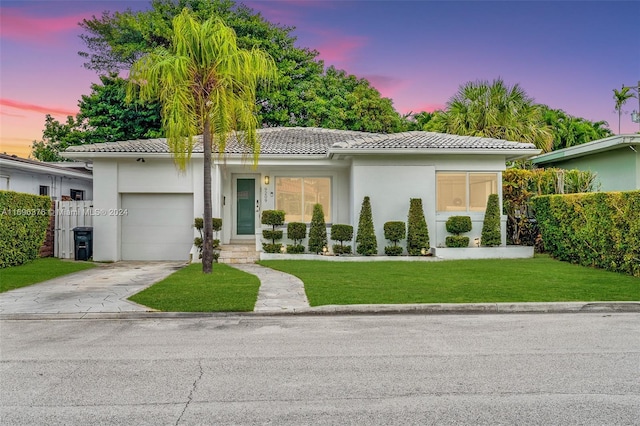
(70, 214)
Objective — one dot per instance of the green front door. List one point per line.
(245, 207)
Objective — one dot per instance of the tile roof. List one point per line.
(431, 140)
(273, 140)
(313, 140)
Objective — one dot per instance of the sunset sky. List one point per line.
(566, 54)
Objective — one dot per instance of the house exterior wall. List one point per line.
(391, 181)
(29, 181)
(617, 170)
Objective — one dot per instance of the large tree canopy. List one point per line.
(495, 110)
(570, 131)
(306, 94)
(104, 117)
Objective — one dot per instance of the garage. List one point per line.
(156, 226)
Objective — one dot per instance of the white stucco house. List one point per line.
(149, 205)
(72, 181)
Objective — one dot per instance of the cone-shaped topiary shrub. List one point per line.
(394, 232)
(417, 232)
(341, 233)
(458, 225)
(274, 218)
(491, 235)
(318, 230)
(296, 231)
(366, 242)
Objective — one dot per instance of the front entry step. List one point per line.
(238, 253)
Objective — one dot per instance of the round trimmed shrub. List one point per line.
(272, 235)
(457, 241)
(273, 217)
(271, 248)
(340, 249)
(393, 250)
(395, 231)
(458, 224)
(295, 248)
(342, 233)
(297, 231)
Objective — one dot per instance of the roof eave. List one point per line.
(45, 169)
(589, 148)
(510, 154)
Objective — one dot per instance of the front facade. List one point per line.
(615, 160)
(150, 205)
(56, 180)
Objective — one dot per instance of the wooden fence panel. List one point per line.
(70, 214)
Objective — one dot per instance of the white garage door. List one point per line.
(157, 226)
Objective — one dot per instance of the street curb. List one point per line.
(329, 310)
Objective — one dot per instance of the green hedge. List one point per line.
(597, 229)
(23, 226)
(520, 185)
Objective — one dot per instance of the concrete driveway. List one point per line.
(104, 288)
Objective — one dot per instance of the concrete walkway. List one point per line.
(279, 292)
(104, 289)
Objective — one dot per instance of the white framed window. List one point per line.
(464, 191)
(296, 196)
(44, 190)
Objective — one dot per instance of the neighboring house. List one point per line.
(149, 205)
(59, 181)
(615, 160)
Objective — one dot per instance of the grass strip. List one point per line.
(38, 270)
(540, 279)
(226, 289)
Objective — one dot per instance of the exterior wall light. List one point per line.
(266, 180)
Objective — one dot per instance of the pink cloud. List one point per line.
(10, 103)
(336, 49)
(385, 84)
(17, 25)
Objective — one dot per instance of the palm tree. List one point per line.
(621, 96)
(206, 85)
(494, 110)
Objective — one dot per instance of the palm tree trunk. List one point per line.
(619, 117)
(207, 244)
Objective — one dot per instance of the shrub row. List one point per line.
(23, 226)
(598, 229)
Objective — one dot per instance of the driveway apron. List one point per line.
(104, 288)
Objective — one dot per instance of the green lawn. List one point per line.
(37, 271)
(189, 290)
(540, 279)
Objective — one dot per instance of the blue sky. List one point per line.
(566, 54)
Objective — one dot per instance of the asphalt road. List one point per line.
(544, 369)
